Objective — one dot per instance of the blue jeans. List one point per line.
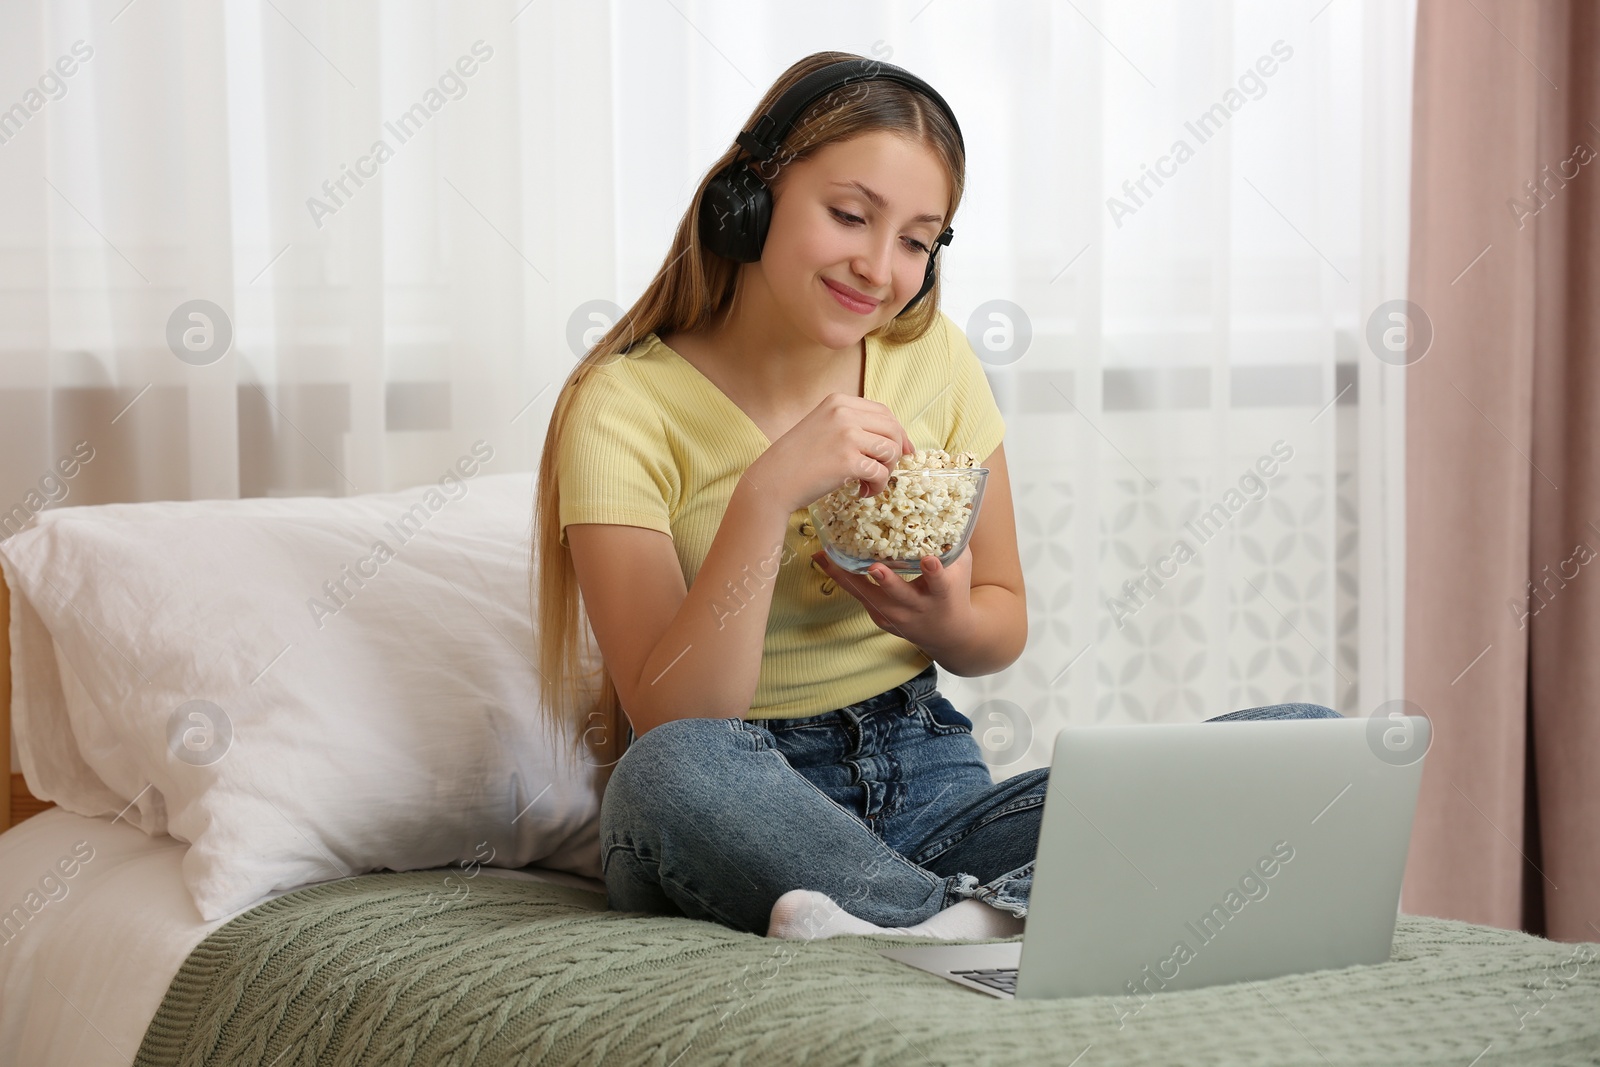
(886, 806)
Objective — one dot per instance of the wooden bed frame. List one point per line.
(16, 803)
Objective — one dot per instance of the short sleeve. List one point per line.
(975, 422)
(614, 464)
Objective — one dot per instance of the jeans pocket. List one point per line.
(941, 717)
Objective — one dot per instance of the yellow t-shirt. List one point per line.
(651, 442)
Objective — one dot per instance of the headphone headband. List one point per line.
(763, 139)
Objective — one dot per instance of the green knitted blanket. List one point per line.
(436, 968)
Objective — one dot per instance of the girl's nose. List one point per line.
(872, 266)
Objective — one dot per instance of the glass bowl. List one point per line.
(928, 492)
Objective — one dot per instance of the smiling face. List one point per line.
(852, 226)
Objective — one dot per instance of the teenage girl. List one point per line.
(781, 759)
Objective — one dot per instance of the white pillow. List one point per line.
(386, 719)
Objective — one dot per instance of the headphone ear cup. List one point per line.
(735, 213)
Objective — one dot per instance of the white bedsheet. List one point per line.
(81, 979)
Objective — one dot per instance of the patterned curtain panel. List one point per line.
(278, 247)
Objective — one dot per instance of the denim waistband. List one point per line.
(895, 699)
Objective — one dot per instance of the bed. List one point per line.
(460, 962)
(81, 981)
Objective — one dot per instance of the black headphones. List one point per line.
(737, 206)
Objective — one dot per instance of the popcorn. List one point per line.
(916, 514)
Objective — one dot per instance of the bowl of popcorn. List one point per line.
(927, 508)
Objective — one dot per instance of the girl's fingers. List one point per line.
(877, 594)
(862, 589)
(891, 580)
(890, 588)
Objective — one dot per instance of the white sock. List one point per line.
(806, 914)
(966, 920)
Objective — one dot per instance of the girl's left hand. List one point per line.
(932, 611)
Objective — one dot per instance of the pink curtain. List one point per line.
(1503, 464)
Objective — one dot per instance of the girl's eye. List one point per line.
(853, 220)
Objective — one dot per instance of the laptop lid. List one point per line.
(1176, 856)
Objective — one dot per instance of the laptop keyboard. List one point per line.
(1001, 978)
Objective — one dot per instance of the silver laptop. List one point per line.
(1186, 855)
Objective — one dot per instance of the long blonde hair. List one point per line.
(692, 287)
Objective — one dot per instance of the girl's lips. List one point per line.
(850, 301)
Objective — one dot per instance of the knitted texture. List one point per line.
(431, 967)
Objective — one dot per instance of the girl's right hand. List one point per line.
(843, 437)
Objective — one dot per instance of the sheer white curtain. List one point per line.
(380, 324)
(1163, 326)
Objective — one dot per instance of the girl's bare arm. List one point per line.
(674, 652)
